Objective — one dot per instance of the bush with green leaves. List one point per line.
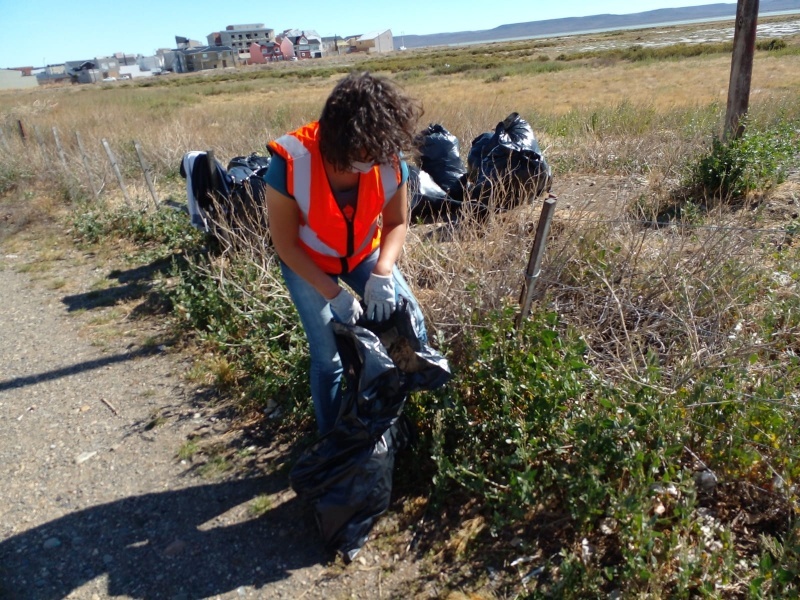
(531, 433)
(244, 314)
(756, 161)
(166, 230)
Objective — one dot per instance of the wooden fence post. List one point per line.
(535, 258)
(146, 171)
(22, 131)
(744, 44)
(117, 172)
(85, 161)
(61, 154)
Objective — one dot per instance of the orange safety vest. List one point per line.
(336, 243)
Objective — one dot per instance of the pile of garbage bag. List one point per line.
(346, 476)
(505, 168)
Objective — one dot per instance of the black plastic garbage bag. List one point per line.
(440, 158)
(242, 168)
(429, 202)
(508, 161)
(219, 199)
(347, 475)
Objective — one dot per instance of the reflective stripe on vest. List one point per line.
(324, 232)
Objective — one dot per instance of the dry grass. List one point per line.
(633, 125)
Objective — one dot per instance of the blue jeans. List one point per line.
(316, 317)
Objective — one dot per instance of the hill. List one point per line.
(573, 25)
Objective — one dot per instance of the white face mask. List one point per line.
(361, 167)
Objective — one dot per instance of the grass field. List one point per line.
(636, 437)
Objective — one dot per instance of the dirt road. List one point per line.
(96, 502)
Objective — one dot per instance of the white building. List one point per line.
(133, 72)
(373, 42)
(154, 64)
(11, 79)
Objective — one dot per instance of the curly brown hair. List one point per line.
(367, 118)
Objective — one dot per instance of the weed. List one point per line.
(216, 465)
(260, 505)
(758, 160)
(188, 450)
(156, 420)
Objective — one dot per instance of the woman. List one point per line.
(337, 204)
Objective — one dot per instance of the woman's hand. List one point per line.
(346, 308)
(379, 297)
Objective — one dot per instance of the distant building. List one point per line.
(154, 64)
(53, 74)
(133, 72)
(306, 43)
(300, 45)
(83, 71)
(125, 59)
(11, 79)
(374, 42)
(333, 45)
(26, 71)
(264, 53)
(314, 43)
(169, 58)
(241, 37)
(204, 58)
(108, 66)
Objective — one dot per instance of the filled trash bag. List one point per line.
(429, 202)
(243, 168)
(347, 475)
(234, 196)
(439, 157)
(506, 167)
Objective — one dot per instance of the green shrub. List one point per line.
(165, 230)
(771, 45)
(250, 322)
(758, 160)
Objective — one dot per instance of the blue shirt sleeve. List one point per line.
(275, 176)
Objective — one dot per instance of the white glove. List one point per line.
(345, 307)
(379, 297)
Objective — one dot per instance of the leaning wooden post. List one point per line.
(117, 172)
(85, 161)
(61, 154)
(146, 171)
(744, 44)
(535, 259)
(22, 131)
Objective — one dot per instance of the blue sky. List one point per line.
(39, 32)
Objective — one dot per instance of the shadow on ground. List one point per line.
(76, 369)
(134, 284)
(176, 544)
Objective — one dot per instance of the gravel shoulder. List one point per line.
(97, 501)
